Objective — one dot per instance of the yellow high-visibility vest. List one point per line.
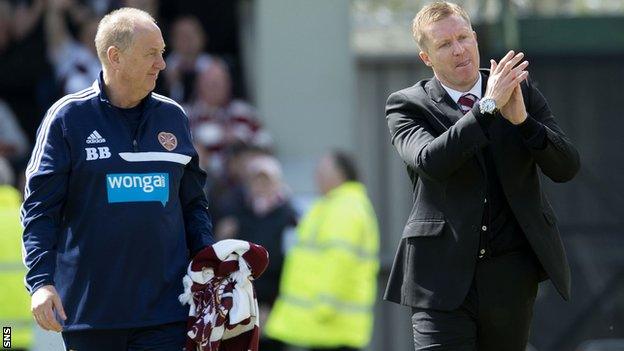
(14, 300)
(329, 279)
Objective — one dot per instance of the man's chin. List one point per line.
(468, 73)
(149, 86)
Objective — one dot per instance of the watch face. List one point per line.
(488, 105)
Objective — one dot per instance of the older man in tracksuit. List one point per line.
(114, 206)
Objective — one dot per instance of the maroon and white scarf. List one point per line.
(218, 287)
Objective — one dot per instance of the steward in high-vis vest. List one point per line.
(328, 285)
(15, 300)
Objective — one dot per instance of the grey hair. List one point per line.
(117, 29)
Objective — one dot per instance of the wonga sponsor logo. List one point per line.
(137, 187)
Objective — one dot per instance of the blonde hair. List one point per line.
(434, 12)
(117, 29)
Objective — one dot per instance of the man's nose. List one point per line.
(457, 48)
(160, 64)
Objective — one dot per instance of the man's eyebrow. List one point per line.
(156, 49)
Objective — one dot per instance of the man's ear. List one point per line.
(112, 54)
(425, 58)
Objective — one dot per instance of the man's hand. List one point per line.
(44, 302)
(515, 111)
(504, 77)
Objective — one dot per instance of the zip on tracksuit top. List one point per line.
(110, 218)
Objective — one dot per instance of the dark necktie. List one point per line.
(466, 102)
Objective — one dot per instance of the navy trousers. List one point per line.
(164, 337)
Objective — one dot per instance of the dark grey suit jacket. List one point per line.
(436, 257)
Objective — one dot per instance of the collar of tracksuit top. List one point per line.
(110, 217)
(144, 105)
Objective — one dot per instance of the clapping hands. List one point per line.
(504, 86)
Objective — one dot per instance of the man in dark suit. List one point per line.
(481, 233)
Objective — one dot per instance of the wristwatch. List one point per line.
(488, 106)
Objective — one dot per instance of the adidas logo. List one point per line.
(95, 138)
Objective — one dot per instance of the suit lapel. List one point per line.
(449, 110)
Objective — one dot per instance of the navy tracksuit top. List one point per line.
(111, 217)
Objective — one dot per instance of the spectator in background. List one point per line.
(14, 145)
(187, 58)
(220, 21)
(227, 192)
(15, 302)
(6, 11)
(264, 218)
(220, 121)
(27, 17)
(13, 140)
(149, 6)
(328, 285)
(75, 62)
(24, 68)
(99, 8)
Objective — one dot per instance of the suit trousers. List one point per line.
(496, 314)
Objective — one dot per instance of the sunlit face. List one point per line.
(187, 37)
(327, 175)
(452, 52)
(140, 64)
(261, 185)
(214, 85)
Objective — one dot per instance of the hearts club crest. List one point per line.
(167, 140)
